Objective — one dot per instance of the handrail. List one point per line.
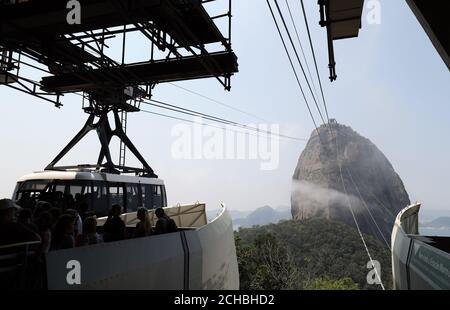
(13, 245)
(408, 219)
(223, 208)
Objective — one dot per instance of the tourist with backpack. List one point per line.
(165, 224)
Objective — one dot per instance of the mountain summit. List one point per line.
(338, 170)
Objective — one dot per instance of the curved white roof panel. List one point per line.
(89, 176)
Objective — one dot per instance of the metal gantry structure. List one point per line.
(180, 41)
(342, 19)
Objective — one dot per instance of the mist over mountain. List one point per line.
(339, 171)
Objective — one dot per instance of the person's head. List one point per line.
(72, 212)
(90, 225)
(41, 206)
(25, 195)
(8, 210)
(142, 214)
(56, 213)
(44, 221)
(59, 195)
(25, 216)
(78, 197)
(65, 225)
(116, 210)
(69, 202)
(160, 212)
(45, 196)
(84, 207)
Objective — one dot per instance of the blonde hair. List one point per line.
(143, 212)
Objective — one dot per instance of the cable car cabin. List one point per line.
(93, 192)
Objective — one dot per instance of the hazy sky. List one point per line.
(392, 88)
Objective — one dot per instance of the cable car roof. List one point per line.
(89, 176)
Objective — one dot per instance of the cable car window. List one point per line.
(164, 195)
(133, 198)
(30, 191)
(116, 194)
(58, 192)
(98, 199)
(60, 188)
(157, 197)
(147, 196)
(76, 189)
(34, 185)
(78, 194)
(16, 191)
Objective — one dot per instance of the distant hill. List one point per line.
(440, 222)
(235, 214)
(427, 214)
(313, 253)
(260, 216)
(263, 216)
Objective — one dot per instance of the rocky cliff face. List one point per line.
(339, 169)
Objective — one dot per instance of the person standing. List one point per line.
(144, 227)
(114, 227)
(11, 231)
(90, 235)
(164, 224)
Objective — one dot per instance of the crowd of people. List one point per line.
(43, 227)
(66, 227)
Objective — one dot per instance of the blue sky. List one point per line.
(392, 88)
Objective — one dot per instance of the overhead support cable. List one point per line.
(167, 106)
(301, 47)
(178, 109)
(378, 202)
(367, 208)
(292, 66)
(220, 103)
(298, 59)
(314, 57)
(210, 125)
(354, 217)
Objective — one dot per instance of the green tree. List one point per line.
(329, 284)
(266, 264)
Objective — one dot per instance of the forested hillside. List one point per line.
(309, 254)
